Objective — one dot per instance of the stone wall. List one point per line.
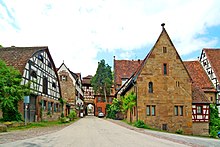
(200, 128)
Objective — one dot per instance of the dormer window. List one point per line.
(33, 73)
(40, 57)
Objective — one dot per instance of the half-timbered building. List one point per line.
(88, 93)
(37, 67)
(210, 61)
(71, 86)
(203, 93)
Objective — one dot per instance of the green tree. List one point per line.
(11, 92)
(113, 109)
(102, 81)
(1, 46)
(128, 103)
(214, 123)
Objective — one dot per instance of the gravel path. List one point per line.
(11, 136)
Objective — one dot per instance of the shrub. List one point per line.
(64, 120)
(141, 124)
(179, 131)
(62, 115)
(72, 115)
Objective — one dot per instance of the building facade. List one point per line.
(37, 67)
(203, 93)
(209, 60)
(163, 88)
(89, 97)
(71, 86)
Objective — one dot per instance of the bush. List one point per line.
(141, 124)
(179, 131)
(214, 123)
(72, 115)
(62, 115)
(64, 120)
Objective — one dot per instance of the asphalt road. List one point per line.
(94, 132)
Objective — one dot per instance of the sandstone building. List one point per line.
(71, 88)
(163, 88)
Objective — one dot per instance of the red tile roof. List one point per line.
(198, 96)
(87, 80)
(18, 56)
(125, 69)
(199, 76)
(213, 56)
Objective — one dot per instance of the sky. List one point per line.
(82, 32)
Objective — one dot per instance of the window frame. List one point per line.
(197, 109)
(165, 69)
(176, 113)
(150, 87)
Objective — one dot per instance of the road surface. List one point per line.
(94, 132)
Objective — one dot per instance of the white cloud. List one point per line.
(76, 30)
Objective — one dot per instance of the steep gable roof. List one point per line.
(213, 55)
(19, 56)
(134, 77)
(74, 75)
(124, 69)
(199, 76)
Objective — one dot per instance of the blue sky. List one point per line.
(82, 32)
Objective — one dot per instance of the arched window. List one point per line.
(150, 87)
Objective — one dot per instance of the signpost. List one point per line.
(26, 102)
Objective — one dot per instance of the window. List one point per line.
(164, 49)
(164, 127)
(181, 110)
(165, 69)
(33, 73)
(153, 110)
(40, 57)
(176, 110)
(150, 87)
(45, 85)
(148, 111)
(54, 85)
(49, 64)
(63, 78)
(199, 109)
(44, 105)
(99, 99)
(177, 84)
(211, 98)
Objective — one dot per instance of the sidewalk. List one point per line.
(183, 139)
